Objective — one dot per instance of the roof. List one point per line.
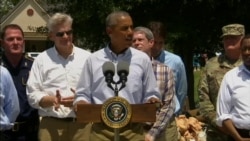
(29, 14)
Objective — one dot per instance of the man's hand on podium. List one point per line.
(153, 100)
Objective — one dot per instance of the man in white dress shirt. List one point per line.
(53, 78)
(233, 106)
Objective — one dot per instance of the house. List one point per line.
(31, 16)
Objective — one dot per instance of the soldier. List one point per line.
(212, 76)
(18, 64)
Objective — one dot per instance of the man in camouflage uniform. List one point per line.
(212, 76)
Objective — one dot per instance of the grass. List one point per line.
(196, 81)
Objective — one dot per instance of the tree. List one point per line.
(5, 6)
(192, 25)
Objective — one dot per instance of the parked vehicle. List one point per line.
(33, 54)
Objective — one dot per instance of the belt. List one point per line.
(17, 126)
(243, 132)
(68, 119)
(103, 125)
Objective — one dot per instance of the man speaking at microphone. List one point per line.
(140, 86)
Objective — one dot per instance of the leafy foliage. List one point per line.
(5, 5)
(192, 25)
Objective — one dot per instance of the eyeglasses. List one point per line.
(61, 34)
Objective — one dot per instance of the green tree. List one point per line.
(6, 6)
(192, 25)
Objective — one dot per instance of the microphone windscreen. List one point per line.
(123, 67)
(108, 67)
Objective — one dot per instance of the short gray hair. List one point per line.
(111, 19)
(148, 33)
(57, 19)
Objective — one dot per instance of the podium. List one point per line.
(92, 113)
(87, 113)
(116, 112)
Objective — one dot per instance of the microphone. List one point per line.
(108, 69)
(122, 71)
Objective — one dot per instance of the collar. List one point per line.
(57, 53)
(110, 53)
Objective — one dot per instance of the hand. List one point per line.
(57, 100)
(149, 137)
(153, 100)
(68, 101)
(73, 91)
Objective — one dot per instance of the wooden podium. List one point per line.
(92, 113)
(87, 113)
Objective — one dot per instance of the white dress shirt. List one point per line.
(51, 72)
(140, 86)
(234, 98)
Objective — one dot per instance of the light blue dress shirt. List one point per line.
(175, 63)
(9, 105)
(140, 86)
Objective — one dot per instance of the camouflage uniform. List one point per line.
(209, 86)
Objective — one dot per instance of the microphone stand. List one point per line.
(116, 130)
(108, 71)
(116, 91)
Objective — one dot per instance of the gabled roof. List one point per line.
(22, 15)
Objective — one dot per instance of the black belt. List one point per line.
(23, 126)
(129, 125)
(68, 119)
(17, 126)
(244, 132)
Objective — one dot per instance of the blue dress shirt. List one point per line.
(140, 86)
(175, 63)
(9, 105)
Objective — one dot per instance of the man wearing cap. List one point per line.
(212, 75)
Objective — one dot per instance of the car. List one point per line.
(33, 54)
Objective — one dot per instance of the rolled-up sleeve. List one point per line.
(223, 103)
(34, 85)
(149, 83)
(83, 89)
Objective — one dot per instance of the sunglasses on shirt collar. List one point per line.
(61, 34)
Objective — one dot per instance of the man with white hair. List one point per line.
(52, 82)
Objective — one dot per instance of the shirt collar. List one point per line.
(245, 70)
(71, 55)
(111, 54)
